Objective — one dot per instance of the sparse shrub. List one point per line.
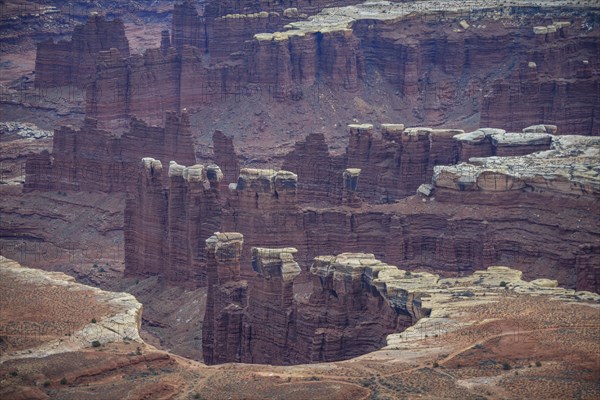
(506, 366)
(14, 373)
(96, 343)
(503, 284)
(435, 364)
(138, 351)
(197, 396)
(538, 363)
(289, 379)
(101, 269)
(408, 273)
(93, 320)
(314, 378)
(46, 384)
(63, 381)
(95, 265)
(478, 346)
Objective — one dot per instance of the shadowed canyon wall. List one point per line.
(94, 159)
(495, 69)
(73, 62)
(449, 228)
(261, 321)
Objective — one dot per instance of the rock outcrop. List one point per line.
(73, 62)
(319, 174)
(233, 50)
(225, 156)
(268, 333)
(262, 205)
(462, 223)
(487, 142)
(227, 298)
(355, 303)
(568, 168)
(167, 219)
(94, 159)
(61, 314)
(348, 313)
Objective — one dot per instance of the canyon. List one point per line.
(460, 222)
(300, 199)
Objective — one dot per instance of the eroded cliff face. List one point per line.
(93, 159)
(73, 62)
(167, 218)
(226, 301)
(357, 304)
(462, 221)
(488, 68)
(346, 314)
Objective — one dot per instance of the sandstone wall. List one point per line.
(174, 216)
(347, 314)
(227, 298)
(94, 159)
(73, 62)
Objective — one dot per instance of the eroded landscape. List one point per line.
(300, 199)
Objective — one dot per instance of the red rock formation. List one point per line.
(222, 339)
(188, 27)
(145, 223)
(227, 34)
(107, 97)
(226, 157)
(319, 174)
(74, 62)
(349, 196)
(392, 166)
(88, 159)
(270, 64)
(468, 226)
(587, 267)
(263, 207)
(93, 159)
(233, 48)
(38, 172)
(350, 311)
(269, 336)
(185, 212)
(340, 59)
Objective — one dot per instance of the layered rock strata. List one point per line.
(462, 222)
(94, 159)
(357, 304)
(262, 205)
(219, 54)
(227, 299)
(347, 313)
(268, 330)
(73, 62)
(168, 218)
